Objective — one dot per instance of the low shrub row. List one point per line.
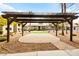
(2, 38)
(1, 31)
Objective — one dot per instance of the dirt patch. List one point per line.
(19, 47)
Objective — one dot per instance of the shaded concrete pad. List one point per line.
(45, 38)
(38, 38)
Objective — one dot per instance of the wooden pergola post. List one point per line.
(66, 29)
(9, 21)
(8, 32)
(39, 28)
(22, 28)
(63, 29)
(71, 30)
(56, 29)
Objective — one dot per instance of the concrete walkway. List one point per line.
(74, 52)
(45, 38)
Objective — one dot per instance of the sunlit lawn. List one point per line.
(39, 32)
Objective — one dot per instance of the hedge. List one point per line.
(1, 31)
(2, 38)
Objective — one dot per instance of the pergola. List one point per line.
(36, 17)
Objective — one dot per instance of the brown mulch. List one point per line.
(66, 39)
(73, 43)
(14, 46)
(27, 47)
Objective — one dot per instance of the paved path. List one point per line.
(45, 38)
(74, 52)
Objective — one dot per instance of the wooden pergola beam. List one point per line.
(39, 22)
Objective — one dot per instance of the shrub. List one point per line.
(1, 31)
(2, 38)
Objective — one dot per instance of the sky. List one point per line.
(38, 7)
(41, 7)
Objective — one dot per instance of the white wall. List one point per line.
(4, 29)
(19, 28)
(11, 26)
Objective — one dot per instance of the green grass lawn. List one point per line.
(39, 32)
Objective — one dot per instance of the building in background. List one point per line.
(37, 26)
(13, 29)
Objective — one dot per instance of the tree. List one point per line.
(51, 25)
(3, 21)
(14, 23)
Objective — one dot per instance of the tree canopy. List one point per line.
(3, 21)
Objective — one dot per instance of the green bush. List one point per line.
(2, 38)
(1, 31)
